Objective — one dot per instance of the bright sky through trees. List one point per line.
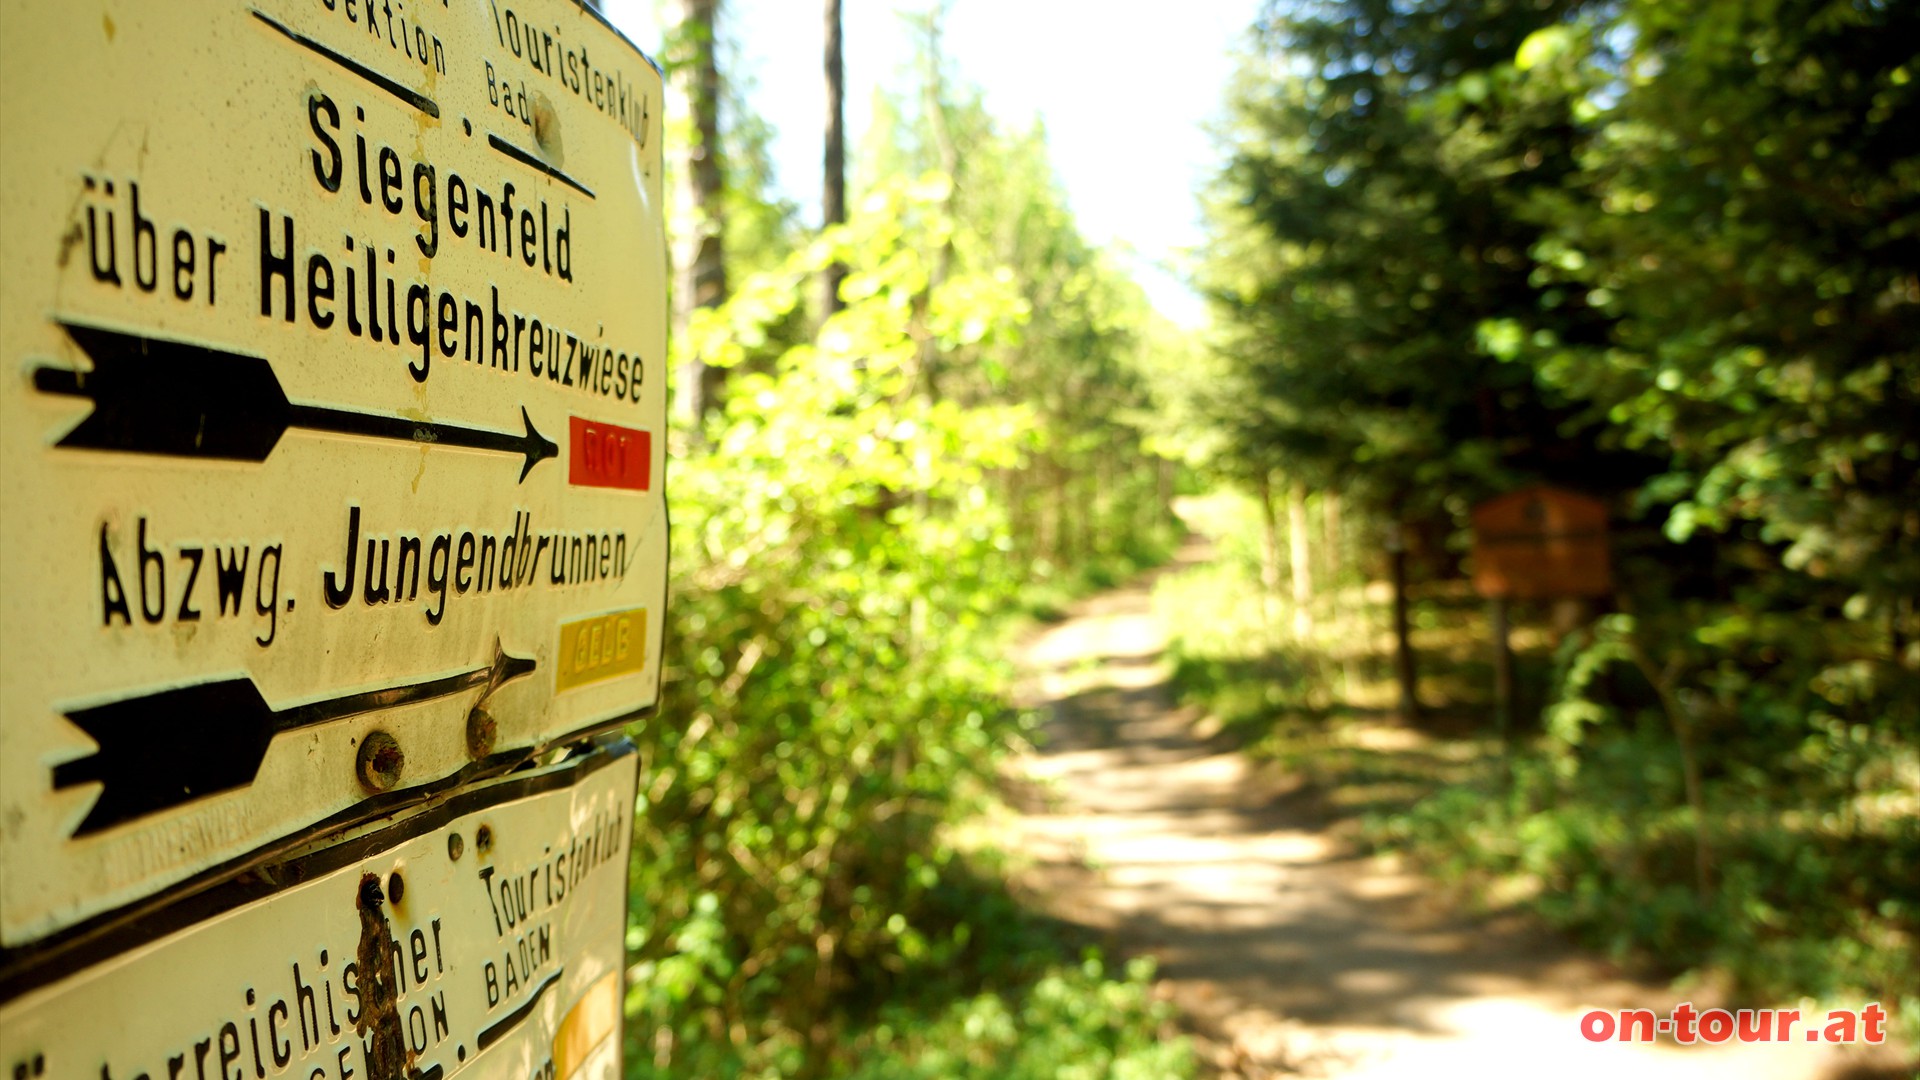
(1125, 90)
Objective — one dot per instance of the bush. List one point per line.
(834, 697)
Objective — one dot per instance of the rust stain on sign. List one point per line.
(379, 1025)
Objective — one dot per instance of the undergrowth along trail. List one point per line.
(1287, 952)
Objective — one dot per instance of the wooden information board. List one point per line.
(1541, 543)
(331, 456)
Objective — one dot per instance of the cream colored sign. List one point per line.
(491, 931)
(335, 333)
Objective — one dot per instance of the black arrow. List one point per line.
(162, 750)
(156, 396)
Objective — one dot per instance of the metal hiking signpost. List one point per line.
(334, 535)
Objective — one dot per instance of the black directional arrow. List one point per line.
(156, 396)
(166, 749)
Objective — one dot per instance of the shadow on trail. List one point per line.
(1288, 952)
(1328, 957)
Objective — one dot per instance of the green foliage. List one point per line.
(1075, 1023)
(1746, 218)
(1363, 228)
(1805, 903)
(1095, 490)
(853, 533)
(837, 567)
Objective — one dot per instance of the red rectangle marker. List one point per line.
(608, 455)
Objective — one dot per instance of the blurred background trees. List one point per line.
(868, 486)
(1661, 253)
(1664, 254)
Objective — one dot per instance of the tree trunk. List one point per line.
(1070, 523)
(934, 102)
(833, 187)
(1346, 634)
(1330, 547)
(1103, 517)
(1299, 554)
(1900, 616)
(1663, 682)
(1163, 488)
(1142, 501)
(1054, 507)
(1010, 498)
(1403, 666)
(699, 261)
(1269, 539)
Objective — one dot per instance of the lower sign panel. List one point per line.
(486, 933)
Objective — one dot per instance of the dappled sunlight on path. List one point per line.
(1288, 953)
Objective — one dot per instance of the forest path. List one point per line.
(1286, 951)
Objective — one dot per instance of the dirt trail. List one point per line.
(1289, 954)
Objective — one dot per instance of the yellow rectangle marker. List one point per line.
(588, 1023)
(600, 648)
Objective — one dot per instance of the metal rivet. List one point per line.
(482, 733)
(396, 887)
(456, 847)
(381, 761)
(546, 128)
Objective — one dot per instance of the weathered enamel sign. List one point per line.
(487, 931)
(330, 444)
